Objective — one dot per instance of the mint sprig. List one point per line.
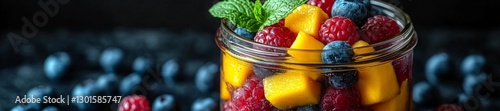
(254, 16)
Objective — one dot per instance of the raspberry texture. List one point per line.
(275, 36)
(326, 5)
(134, 103)
(449, 107)
(379, 28)
(338, 28)
(250, 97)
(341, 100)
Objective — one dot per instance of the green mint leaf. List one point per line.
(239, 12)
(275, 10)
(257, 11)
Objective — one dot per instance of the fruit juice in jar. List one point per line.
(307, 59)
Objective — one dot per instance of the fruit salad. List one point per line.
(325, 32)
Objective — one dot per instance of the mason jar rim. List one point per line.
(405, 42)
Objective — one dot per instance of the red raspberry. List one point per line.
(402, 68)
(250, 97)
(379, 28)
(338, 28)
(281, 23)
(275, 36)
(449, 107)
(134, 103)
(326, 5)
(341, 100)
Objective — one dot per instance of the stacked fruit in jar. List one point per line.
(339, 28)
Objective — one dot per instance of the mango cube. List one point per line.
(306, 18)
(290, 90)
(306, 42)
(377, 81)
(235, 71)
(224, 93)
(398, 103)
(361, 47)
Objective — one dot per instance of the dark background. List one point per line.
(193, 14)
(184, 29)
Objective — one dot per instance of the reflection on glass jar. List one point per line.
(255, 76)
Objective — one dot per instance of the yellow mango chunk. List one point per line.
(235, 71)
(377, 82)
(290, 90)
(224, 93)
(306, 18)
(359, 48)
(307, 42)
(398, 103)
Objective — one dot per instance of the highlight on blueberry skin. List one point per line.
(141, 64)
(110, 58)
(128, 83)
(204, 104)
(244, 32)
(204, 79)
(164, 102)
(438, 68)
(170, 70)
(472, 82)
(87, 88)
(424, 94)
(356, 10)
(337, 52)
(39, 92)
(473, 64)
(50, 108)
(55, 65)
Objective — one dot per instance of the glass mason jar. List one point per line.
(255, 76)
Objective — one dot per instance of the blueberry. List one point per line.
(39, 92)
(170, 70)
(244, 32)
(472, 83)
(24, 108)
(205, 76)
(438, 68)
(309, 108)
(128, 83)
(56, 65)
(50, 108)
(107, 83)
(356, 10)
(343, 79)
(88, 88)
(110, 59)
(164, 103)
(264, 72)
(425, 94)
(337, 52)
(141, 64)
(473, 64)
(204, 104)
